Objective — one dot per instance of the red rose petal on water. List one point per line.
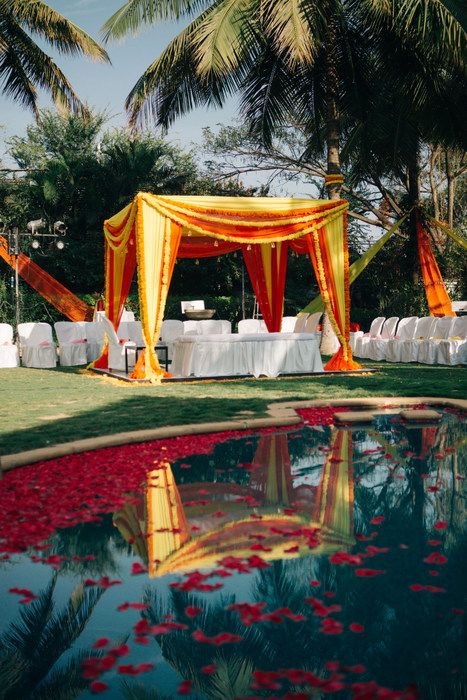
(440, 525)
(356, 627)
(377, 520)
(138, 568)
(369, 572)
(98, 687)
(209, 669)
(192, 611)
(101, 642)
(185, 687)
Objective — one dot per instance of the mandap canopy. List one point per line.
(151, 232)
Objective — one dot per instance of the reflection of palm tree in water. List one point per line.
(32, 646)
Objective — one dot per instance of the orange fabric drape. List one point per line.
(267, 267)
(437, 297)
(333, 281)
(55, 293)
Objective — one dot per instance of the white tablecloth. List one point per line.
(268, 354)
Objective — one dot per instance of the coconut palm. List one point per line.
(24, 66)
(295, 57)
(33, 644)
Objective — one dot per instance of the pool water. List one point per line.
(298, 564)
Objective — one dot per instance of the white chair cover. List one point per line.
(409, 348)
(311, 324)
(170, 331)
(115, 347)
(94, 333)
(9, 355)
(288, 324)
(453, 350)
(428, 349)
(37, 346)
(127, 316)
(374, 332)
(376, 347)
(250, 325)
(405, 331)
(71, 343)
(213, 327)
(300, 322)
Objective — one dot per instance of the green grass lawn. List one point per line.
(46, 407)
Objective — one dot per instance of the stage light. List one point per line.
(60, 228)
(60, 244)
(36, 225)
(35, 244)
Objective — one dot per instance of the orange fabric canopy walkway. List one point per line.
(151, 232)
(55, 293)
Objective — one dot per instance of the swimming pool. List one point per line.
(286, 563)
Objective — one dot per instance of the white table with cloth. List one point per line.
(228, 355)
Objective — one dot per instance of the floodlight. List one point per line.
(60, 244)
(35, 244)
(60, 228)
(36, 225)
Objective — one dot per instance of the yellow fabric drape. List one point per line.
(460, 240)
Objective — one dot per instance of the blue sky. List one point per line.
(106, 86)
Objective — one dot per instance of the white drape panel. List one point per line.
(257, 354)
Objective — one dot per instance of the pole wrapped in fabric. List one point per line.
(437, 297)
(329, 254)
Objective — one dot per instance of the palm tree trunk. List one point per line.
(327, 346)
(414, 201)
(332, 125)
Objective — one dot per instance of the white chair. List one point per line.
(311, 324)
(453, 350)
(9, 355)
(116, 348)
(37, 345)
(376, 347)
(428, 349)
(250, 325)
(170, 331)
(405, 331)
(94, 333)
(374, 332)
(300, 323)
(288, 324)
(71, 343)
(409, 348)
(197, 305)
(211, 327)
(127, 316)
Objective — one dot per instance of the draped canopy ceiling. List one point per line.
(151, 232)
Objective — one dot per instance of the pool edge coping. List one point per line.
(279, 414)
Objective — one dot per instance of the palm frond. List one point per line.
(138, 691)
(136, 13)
(40, 19)
(296, 28)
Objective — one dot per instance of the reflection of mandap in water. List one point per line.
(160, 525)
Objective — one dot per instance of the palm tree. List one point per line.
(24, 66)
(295, 57)
(32, 645)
